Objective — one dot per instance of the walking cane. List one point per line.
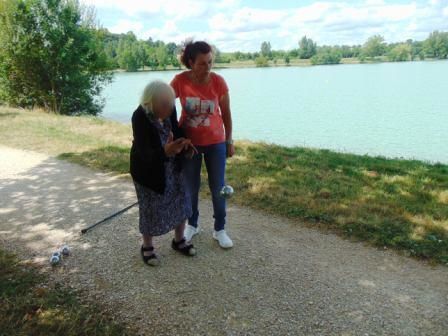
(107, 218)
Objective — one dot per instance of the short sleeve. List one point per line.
(221, 85)
(175, 85)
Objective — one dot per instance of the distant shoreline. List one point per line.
(294, 63)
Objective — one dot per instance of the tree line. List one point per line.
(127, 52)
(374, 49)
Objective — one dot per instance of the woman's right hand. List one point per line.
(174, 147)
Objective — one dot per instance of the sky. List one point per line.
(243, 25)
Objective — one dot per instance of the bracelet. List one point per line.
(229, 142)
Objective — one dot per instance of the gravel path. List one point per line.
(280, 278)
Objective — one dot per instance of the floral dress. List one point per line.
(161, 213)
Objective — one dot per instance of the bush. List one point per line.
(261, 61)
(326, 58)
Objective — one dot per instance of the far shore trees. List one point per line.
(149, 54)
(375, 46)
(307, 48)
(436, 45)
(400, 53)
(266, 50)
(327, 57)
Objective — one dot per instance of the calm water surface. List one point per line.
(388, 109)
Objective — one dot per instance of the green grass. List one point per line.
(395, 203)
(401, 204)
(31, 305)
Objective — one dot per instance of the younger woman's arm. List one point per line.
(224, 105)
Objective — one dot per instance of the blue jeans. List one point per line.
(215, 162)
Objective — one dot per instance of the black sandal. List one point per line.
(187, 250)
(152, 259)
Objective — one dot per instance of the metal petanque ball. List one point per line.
(226, 191)
(57, 254)
(65, 250)
(55, 260)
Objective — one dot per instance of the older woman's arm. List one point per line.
(224, 105)
(177, 131)
(148, 152)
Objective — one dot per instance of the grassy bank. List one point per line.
(31, 305)
(395, 203)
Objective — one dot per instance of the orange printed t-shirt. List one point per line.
(201, 116)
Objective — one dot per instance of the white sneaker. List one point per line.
(223, 239)
(190, 231)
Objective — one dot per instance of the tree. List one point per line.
(175, 63)
(400, 53)
(220, 57)
(307, 48)
(129, 56)
(374, 46)
(436, 45)
(51, 56)
(171, 49)
(294, 53)
(162, 56)
(266, 49)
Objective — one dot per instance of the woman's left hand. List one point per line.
(230, 150)
(189, 149)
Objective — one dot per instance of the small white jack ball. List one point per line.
(226, 191)
(65, 250)
(54, 260)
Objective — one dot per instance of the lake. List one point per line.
(387, 109)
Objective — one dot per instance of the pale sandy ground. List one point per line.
(280, 278)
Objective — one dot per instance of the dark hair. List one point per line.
(191, 51)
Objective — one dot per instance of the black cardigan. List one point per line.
(147, 156)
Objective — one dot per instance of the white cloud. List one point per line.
(169, 32)
(173, 8)
(247, 19)
(445, 11)
(232, 26)
(130, 8)
(124, 26)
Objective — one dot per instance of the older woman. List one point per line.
(207, 122)
(164, 204)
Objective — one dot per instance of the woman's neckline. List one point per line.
(190, 77)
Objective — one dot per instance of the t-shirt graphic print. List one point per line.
(198, 112)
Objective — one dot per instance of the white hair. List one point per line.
(153, 89)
